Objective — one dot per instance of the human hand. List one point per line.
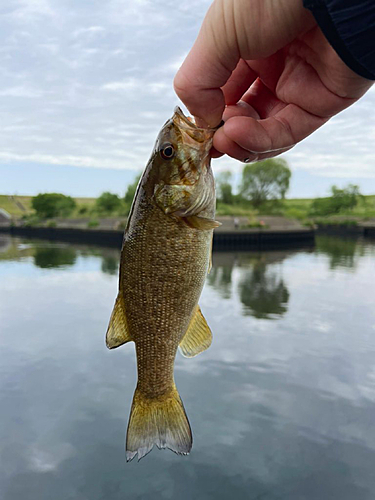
(265, 67)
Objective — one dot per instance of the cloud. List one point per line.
(28, 10)
(76, 161)
(88, 31)
(20, 91)
(123, 86)
(90, 84)
(140, 86)
(47, 459)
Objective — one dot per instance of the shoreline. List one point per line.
(240, 239)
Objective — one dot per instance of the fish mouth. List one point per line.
(182, 120)
(190, 133)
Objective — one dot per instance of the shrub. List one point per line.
(92, 223)
(341, 200)
(83, 210)
(108, 202)
(131, 190)
(48, 205)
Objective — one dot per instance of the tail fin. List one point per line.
(161, 421)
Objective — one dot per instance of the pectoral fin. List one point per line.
(201, 222)
(198, 336)
(117, 331)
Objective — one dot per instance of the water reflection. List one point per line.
(5, 243)
(54, 256)
(13, 249)
(342, 252)
(110, 264)
(263, 291)
(220, 276)
(260, 286)
(280, 410)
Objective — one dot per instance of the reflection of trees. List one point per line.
(5, 243)
(220, 278)
(49, 257)
(263, 292)
(342, 252)
(110, 264)
(261, 287)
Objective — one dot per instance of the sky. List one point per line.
(85, 87)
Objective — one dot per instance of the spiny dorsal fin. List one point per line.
(117, 331)
(201, 222)
(198, 336)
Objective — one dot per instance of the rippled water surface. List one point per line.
(282, 405)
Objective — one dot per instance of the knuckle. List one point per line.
(289, 135)
(181, 85)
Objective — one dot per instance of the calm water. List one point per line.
(282, 405)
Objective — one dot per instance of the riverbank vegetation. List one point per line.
(263, 188)
(262, 191)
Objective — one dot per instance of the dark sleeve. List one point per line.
(349, 26)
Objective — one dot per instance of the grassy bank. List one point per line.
(299, 208)
(16, 205)
(19, 206)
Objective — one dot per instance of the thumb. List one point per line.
(234, 30)
(209, 65)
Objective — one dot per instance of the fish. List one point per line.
(165, 257)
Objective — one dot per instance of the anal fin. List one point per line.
(198, 336)
(117, 331)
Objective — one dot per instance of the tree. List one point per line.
(48, 205)
(224, 187)
(108, 202)
(130, 192)
(339, 201)
(265, 180)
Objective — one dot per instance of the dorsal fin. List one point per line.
(117, 331)
(198, 336)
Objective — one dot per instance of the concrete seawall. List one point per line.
(369, 231)
(235, 239)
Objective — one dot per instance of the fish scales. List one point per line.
(164, 262)
(169, 258)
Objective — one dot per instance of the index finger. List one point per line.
(206, 69)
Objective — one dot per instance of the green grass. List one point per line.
(246, 211)
(10, 205)
(297, 208)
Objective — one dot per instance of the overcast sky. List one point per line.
(86, 85)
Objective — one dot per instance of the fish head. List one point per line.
(184, 182)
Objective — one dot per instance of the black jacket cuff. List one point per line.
(349, 26)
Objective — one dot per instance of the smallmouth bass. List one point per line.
(165, 258)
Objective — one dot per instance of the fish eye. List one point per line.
(167, 151)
